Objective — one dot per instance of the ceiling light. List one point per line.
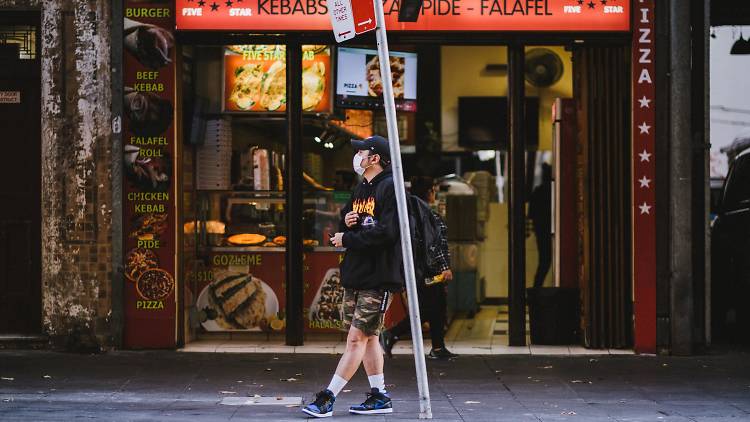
(486, 155)
(741, 46)
(322, 136)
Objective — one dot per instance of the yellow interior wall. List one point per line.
(493, 255)
(463, 74)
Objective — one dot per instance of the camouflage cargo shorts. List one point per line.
(365, 309)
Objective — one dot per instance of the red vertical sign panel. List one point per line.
(364, 15)
(148, 179)
(644, 172)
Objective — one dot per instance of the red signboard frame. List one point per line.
(436, 15)
(150, 162)
(644, 175)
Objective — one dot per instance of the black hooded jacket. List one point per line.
(373, 248)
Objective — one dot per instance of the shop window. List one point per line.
(18, 41)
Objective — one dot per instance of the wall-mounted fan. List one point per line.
(543, 67)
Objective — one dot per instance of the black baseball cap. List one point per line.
(376, 144)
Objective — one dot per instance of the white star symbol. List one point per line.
(644, 102)
(645, 156)
(644, 128)
(645, 182)
(645, 208)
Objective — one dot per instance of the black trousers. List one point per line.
(433, 308)
(544, 246)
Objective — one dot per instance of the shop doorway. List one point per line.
(577, 245)
(20, 175)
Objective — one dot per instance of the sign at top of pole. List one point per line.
(350, 18)
(364, 15)
(342, 20)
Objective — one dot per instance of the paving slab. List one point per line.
(172, 386)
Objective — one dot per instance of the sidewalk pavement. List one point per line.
(170, 386)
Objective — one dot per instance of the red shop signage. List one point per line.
(644, 183)
(436, 15)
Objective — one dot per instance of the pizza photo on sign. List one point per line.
(255, 78)
(374, 81)
(155, 284)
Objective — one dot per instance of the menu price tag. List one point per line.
(342, 20)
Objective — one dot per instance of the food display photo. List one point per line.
(138, 261)
(326, 310)
(239, 302)
(150, 44)
(149, 226)
(155, 284)
(374, 81)
(148, 114)
(255, 78)
(147, 174)
(360, 86)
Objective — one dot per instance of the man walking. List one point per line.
(432, 296)
(372, 269)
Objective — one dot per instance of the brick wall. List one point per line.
(76, 168)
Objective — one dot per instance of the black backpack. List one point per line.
(425, 238)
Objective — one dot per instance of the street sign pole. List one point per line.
(425, 410)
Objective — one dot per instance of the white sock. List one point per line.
(337, 384)
(377, 381)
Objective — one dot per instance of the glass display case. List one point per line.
(241, 260)
(247, 219)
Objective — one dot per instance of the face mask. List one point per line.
(357, 165)
(356, 161)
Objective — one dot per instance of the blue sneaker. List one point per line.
(377, 403)
(322, 407)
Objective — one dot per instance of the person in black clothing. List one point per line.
(540, 211)
(371, 271)
(432, 298)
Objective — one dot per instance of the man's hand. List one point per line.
(351, 218)
(447, 275)
(338, 240)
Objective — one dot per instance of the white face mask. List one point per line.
(357, 164)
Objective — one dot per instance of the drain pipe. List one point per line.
(680, 180)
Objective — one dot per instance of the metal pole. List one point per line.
(707, 164)
(294, 188)
(117, 278)
(517, 203)
(680, 205)
(425, 411)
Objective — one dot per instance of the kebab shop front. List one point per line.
(210, 144)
